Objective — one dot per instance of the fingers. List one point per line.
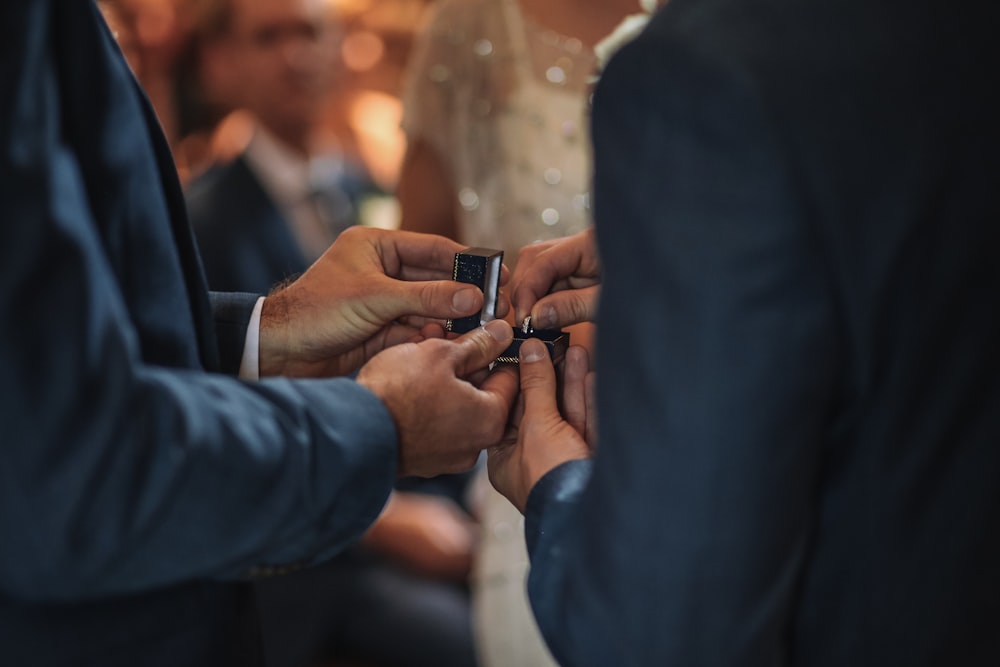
(503, 386)
(432, 330)
(571, 262)
(423, 257)
(439, 299)
(421, 266)
(480, 347)
(503, 306)
(574, 391)
(436, 299)
(535, 277)
(538, 381)
(411, 253)
(562, 309)
(501, 468)
(401, 333)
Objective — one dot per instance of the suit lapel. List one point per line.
(194, 275)
(269, 226)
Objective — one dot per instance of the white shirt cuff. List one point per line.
(250, 363)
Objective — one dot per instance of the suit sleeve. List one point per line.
(116, 475)
(718, 350)
(232, 312)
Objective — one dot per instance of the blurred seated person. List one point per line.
(400, 597)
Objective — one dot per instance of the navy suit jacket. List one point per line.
(243, 236)
(139, 481)
(798, 359)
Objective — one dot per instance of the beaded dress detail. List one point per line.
(504, 103)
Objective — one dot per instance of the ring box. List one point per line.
(481, 267)
(556, 341)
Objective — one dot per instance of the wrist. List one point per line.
(273, 358)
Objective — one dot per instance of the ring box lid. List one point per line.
(480, 267)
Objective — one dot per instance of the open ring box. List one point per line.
(481, 267)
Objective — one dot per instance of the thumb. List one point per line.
(481, 347)
(433, 299)
(538, 381)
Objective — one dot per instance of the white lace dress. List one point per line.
(504, 103)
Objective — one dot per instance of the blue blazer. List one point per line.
(243, 236)
(799, 346)
(140, 482)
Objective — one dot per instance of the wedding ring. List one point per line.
(526, 325)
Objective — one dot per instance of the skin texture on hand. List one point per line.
(427, 534)
(540, 437)
(446, 405)
(557, 282)
(370, 290)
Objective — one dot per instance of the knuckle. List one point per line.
(355, 232)
(494, 425)
(463, 462)
(580, 307)
(483, 343)
(427, 292)
(533, 381)
(432, 295)
(528, 251)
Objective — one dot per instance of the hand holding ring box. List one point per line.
(481, 267)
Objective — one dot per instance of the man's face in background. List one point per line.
(282, 55)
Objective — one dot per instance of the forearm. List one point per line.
(550, 528)
(165, 476)
(118, 473)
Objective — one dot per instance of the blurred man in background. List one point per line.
(267, 214)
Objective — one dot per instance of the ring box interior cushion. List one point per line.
(481, 267)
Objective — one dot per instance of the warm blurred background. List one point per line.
(363, 110)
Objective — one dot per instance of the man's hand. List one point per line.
(541, 438)
(371, 289)
(557, 282)
(446, 405)
(429, 534)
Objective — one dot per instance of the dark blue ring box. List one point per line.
(481, 267)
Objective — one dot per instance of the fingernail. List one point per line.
(465, 301)
(532, 350)
(545, 319)
(499, 330)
